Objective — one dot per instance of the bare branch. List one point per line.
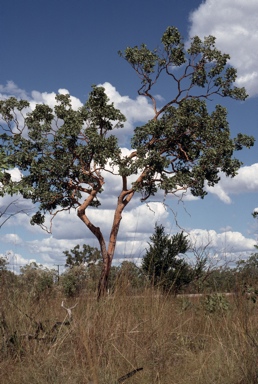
(69, 310)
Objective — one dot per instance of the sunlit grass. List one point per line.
(175, 340)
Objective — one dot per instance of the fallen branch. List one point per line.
(128, 375)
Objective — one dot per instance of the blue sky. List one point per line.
(51, 45)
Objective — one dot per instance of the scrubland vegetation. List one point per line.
(180, 339)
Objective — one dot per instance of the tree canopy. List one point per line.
(64, 153)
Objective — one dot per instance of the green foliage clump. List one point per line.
(129, 278)
(162, 262)
(3, 263)
(74, 280)
(88, 255)
(215, 303)
(37, 279)
(84, 267)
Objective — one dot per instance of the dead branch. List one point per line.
(130, 374)
(69, 310)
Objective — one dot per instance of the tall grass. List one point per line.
(175, 340)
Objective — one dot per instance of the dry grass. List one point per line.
(175, 340)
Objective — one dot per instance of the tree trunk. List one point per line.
(107, 254)
(103, 281)
(123, 200)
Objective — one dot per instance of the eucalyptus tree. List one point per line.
(65, 153)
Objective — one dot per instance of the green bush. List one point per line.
(215, 303)
(74, 280)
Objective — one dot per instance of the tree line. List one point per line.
(165, 267)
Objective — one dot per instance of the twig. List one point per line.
(130, 374)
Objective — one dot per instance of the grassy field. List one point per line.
(175, 340)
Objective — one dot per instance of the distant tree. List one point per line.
(73, 280)
(218, 280)
(37, 279)
(162, 262)
(65, 154)
(3, 263)
(130, 275)
(255, 215)
(84, 269)
(251, 263)
(76, 256)
(203, 266)
(7, 277)
(248, 270)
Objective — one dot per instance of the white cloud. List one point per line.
(36, 97)
(12, 238)
(12, 208)
(15, 260)
(43, 98)
(225, 242)
(15, 173)
(234, 24)
(136, 227)
(50, 98)
(142, 218)
(226, 229)
(246, 181)
(11, 89)
(137, 110)
(137, 220)
(50, 249)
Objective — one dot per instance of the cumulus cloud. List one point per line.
(137, 110)
(11, 89)
(12, 207)
(15, 173)
(234, 24)
(137, 220)
(226, 229)
(224, 242)
(246, 181)
(35, 97)
(15, 260)
(12, 238)
(50, 98)
(68, 230)
(50, 250)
